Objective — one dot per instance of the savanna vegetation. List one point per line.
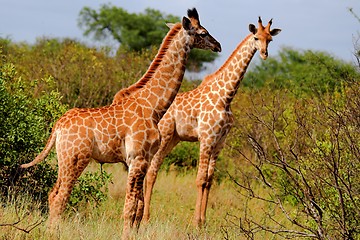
(290, 168)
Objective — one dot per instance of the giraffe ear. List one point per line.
(170, 25)
(186, 23)
(275, 32)
(252, 28)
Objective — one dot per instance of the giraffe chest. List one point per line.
(192, 125)
(109, 149)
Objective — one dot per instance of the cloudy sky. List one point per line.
(325, 25)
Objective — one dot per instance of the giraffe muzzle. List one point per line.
(264, 54)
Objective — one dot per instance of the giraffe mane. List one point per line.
(154, 65)
(212, 75)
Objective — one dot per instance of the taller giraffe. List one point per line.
(125, 132)
(204, 115)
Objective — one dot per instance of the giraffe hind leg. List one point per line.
(53, 215)
(60, 194)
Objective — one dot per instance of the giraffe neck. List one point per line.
(226, 80)
(164, 80)
(160, 84)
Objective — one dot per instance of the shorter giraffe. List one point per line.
(204, 115)
(126, 131)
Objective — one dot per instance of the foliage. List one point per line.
(27, 117)
(197, 57)
(25, 125)
(306, 152)
(91, 187)
(302, 72)
(85, 77)
(135, 32)
(183, 157)
(132, 31)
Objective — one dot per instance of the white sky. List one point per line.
(325, 25)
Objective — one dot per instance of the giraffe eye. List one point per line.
(203, 34)
(256, 38)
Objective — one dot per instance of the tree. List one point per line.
(135, 32)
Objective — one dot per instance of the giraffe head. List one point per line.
(201, 38)
(263, 36)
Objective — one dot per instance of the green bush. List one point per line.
(84, 76)
(301, 72)
(305, 152)
(184, 156)
(26, 122)
(91, 187)
(25, 125)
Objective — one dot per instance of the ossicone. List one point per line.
(192, 13)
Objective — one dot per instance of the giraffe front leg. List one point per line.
(205, 197)
(201, 182)
(134, 199)
(168, 142)
(149, 185)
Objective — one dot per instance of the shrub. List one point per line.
(183, 157)
(84, 76)
(302, 72)
(25, 124)
(306, 153)
(91, 187)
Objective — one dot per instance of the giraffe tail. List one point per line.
(44, 153)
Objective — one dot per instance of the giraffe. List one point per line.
(204, 115)
(127, 131)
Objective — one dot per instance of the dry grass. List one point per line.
(172, 213)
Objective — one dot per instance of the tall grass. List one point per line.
(172, 212)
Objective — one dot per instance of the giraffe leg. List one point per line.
(54, 215)
(209, 180)
(167, 144)
(139, 210)
(133, 207)
(206, 191)
(201, 182)
(205, 175)
(60, 194)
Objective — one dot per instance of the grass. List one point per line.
(172, 210)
